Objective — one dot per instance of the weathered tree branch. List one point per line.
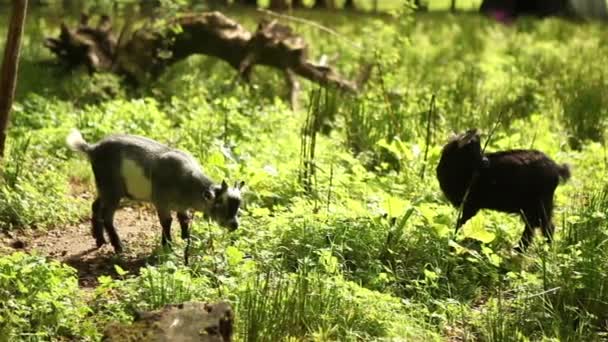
(91, 46)
(150, 50)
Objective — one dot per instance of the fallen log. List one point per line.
(152, 48)
(190, 321)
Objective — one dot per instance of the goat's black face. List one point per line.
(226, 204)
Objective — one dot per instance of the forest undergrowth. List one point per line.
(354, 241)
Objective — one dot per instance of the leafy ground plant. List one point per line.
(40, 300)
(362, 249)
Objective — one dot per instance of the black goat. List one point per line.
(515, 181)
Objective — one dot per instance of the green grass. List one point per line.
(363, 247)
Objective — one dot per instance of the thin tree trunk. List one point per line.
(279, 5)
(420, 6)
(453, 6)
(248, 2)
(10, 62)
(324, 4)
(297, 4)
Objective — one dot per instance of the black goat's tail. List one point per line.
(564, 172)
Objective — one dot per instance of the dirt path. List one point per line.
(137, 227)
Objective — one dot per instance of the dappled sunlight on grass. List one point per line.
(363, 247)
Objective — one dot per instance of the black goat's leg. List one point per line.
(546, 222)
(526, 239)
(468, 211)
(532, 220)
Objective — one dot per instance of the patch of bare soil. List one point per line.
(137, 227)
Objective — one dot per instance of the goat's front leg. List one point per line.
(184, 222)
(468, 211)
(526, 238)
(164, 216)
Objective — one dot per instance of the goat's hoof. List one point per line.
(118, 249)
(185, 236)
(100, 243)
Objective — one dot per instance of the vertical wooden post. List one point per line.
(10, 62)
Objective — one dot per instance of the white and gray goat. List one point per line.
(143, 169)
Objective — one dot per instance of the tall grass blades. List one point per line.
(381, 260)
(585, 107)
(320, 117)
(579, 304)
(319, 306)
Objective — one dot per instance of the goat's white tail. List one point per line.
(76, 142)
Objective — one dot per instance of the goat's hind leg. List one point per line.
(97, 223)
(546, 219)
(110, 188)
(531, 218)
(109, 207)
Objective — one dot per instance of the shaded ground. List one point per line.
(137, 227)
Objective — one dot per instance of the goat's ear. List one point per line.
(224, 186)
(468, 137)
(453, 137)
(208, 195)
(474, 134)
(241, 187)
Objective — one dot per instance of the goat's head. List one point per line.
(224, 204)
(465, 150)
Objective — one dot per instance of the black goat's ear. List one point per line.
(472, 134)
(468, 137)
